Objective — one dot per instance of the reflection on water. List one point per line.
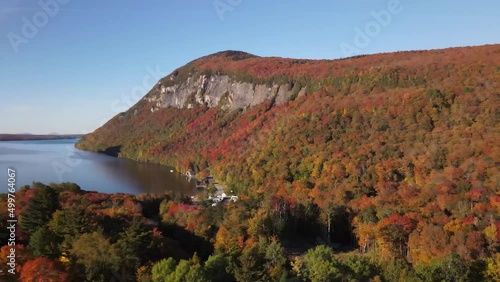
(153, 178)
(58, 161)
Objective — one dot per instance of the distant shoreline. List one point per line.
(32, 137)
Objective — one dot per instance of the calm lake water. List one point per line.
(58, 161)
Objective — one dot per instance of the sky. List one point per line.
(68, 66)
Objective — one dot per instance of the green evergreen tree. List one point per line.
(69, 224)
(45, 243)
(39, 210)
(133, 243)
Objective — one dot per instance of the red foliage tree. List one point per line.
(42, 270)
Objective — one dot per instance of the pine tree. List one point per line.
(39, 211)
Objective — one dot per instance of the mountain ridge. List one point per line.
(377, 151)
(280, 80)
(274, 72)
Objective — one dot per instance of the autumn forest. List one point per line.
(378, 168)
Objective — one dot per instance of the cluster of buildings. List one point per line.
(219, 197)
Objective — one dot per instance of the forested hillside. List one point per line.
(394, 155)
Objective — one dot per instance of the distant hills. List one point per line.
(23, 137)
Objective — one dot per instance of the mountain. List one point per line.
(381, 152)
(190, 115)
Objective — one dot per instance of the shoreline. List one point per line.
(33, 137)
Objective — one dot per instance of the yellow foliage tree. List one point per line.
(493, 268)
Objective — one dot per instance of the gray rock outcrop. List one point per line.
(216, 90)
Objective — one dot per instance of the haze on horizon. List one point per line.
(69, 66)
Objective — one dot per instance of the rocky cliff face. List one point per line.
(216, 91)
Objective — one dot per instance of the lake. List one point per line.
(58, 161)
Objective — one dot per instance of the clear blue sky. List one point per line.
(87, 61)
